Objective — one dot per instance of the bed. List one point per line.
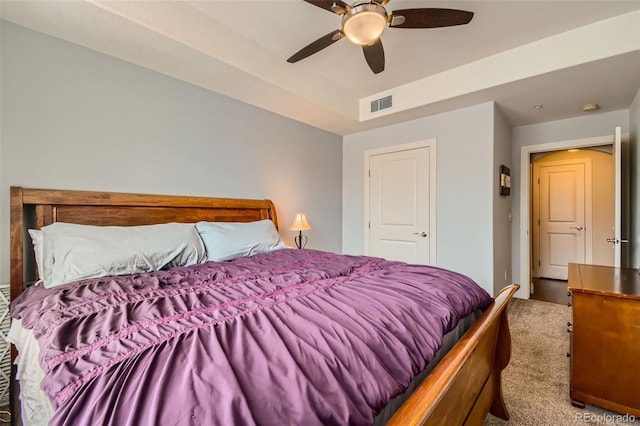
(453, 386)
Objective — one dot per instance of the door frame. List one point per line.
(428, 143)
(525, 200)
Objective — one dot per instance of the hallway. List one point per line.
(547, 290)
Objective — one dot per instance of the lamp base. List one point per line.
(300, 240)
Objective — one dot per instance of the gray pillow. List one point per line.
(231, 240)
(74, 252)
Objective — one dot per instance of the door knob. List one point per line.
(616, 241)
(579, 228)
(422, 234)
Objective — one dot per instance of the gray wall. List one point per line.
(634, 134)
(587, 126)
(502, 262)
(73, 118)
(464, 179)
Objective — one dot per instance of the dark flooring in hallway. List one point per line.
(547, 290)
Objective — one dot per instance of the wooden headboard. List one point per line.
(35, 208)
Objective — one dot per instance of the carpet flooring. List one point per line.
(536, 382)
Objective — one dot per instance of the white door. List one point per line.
(399, 201)
(563, 191)
(621, 200)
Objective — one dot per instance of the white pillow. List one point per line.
(36, 240)
(231, 240)
(75, 252)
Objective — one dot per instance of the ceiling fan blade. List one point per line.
(429, 18)
(336, 6)
(374, 55)
(316, 46)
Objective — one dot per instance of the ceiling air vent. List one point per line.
(382, 103)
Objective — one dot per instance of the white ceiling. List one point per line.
(560, 54)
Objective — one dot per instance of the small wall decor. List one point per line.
(505, 180)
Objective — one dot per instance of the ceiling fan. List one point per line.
(364, 22)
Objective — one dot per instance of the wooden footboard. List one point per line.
(466, 384)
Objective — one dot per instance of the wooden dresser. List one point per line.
(605, 340)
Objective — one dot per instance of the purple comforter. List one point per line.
(291, 337)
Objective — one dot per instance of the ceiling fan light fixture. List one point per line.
(590, 107)
(365, 23)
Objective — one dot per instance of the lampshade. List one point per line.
(300, 223)
(364, 24)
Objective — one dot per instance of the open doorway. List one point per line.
(572, 212)
(616, 236)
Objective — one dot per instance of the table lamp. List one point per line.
(300, 224)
